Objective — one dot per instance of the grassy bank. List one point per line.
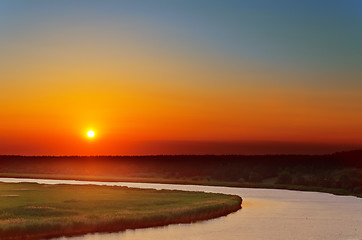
(37, 211)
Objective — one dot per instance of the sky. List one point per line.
(180, 77)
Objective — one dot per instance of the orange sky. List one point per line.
(146, 87)
(56, 122)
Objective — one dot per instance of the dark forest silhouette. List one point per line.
(338, 173)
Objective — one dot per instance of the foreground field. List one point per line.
(36, 211)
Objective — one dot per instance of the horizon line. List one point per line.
(161, 155)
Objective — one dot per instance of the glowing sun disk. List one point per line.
(90, 134)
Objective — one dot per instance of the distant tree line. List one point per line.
(341, 170)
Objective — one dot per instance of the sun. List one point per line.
(90, 133)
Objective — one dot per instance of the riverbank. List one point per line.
(268, 184)
(38, 211)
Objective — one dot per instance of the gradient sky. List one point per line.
(170, 77)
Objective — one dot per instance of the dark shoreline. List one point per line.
(338, 192)
(338, 173)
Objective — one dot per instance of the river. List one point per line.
(266, 214)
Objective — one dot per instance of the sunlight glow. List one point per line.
(90, 134)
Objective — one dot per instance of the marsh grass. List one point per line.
(42, 211)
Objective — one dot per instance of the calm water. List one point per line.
(266, 214)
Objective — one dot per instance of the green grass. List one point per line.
(36, 211)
